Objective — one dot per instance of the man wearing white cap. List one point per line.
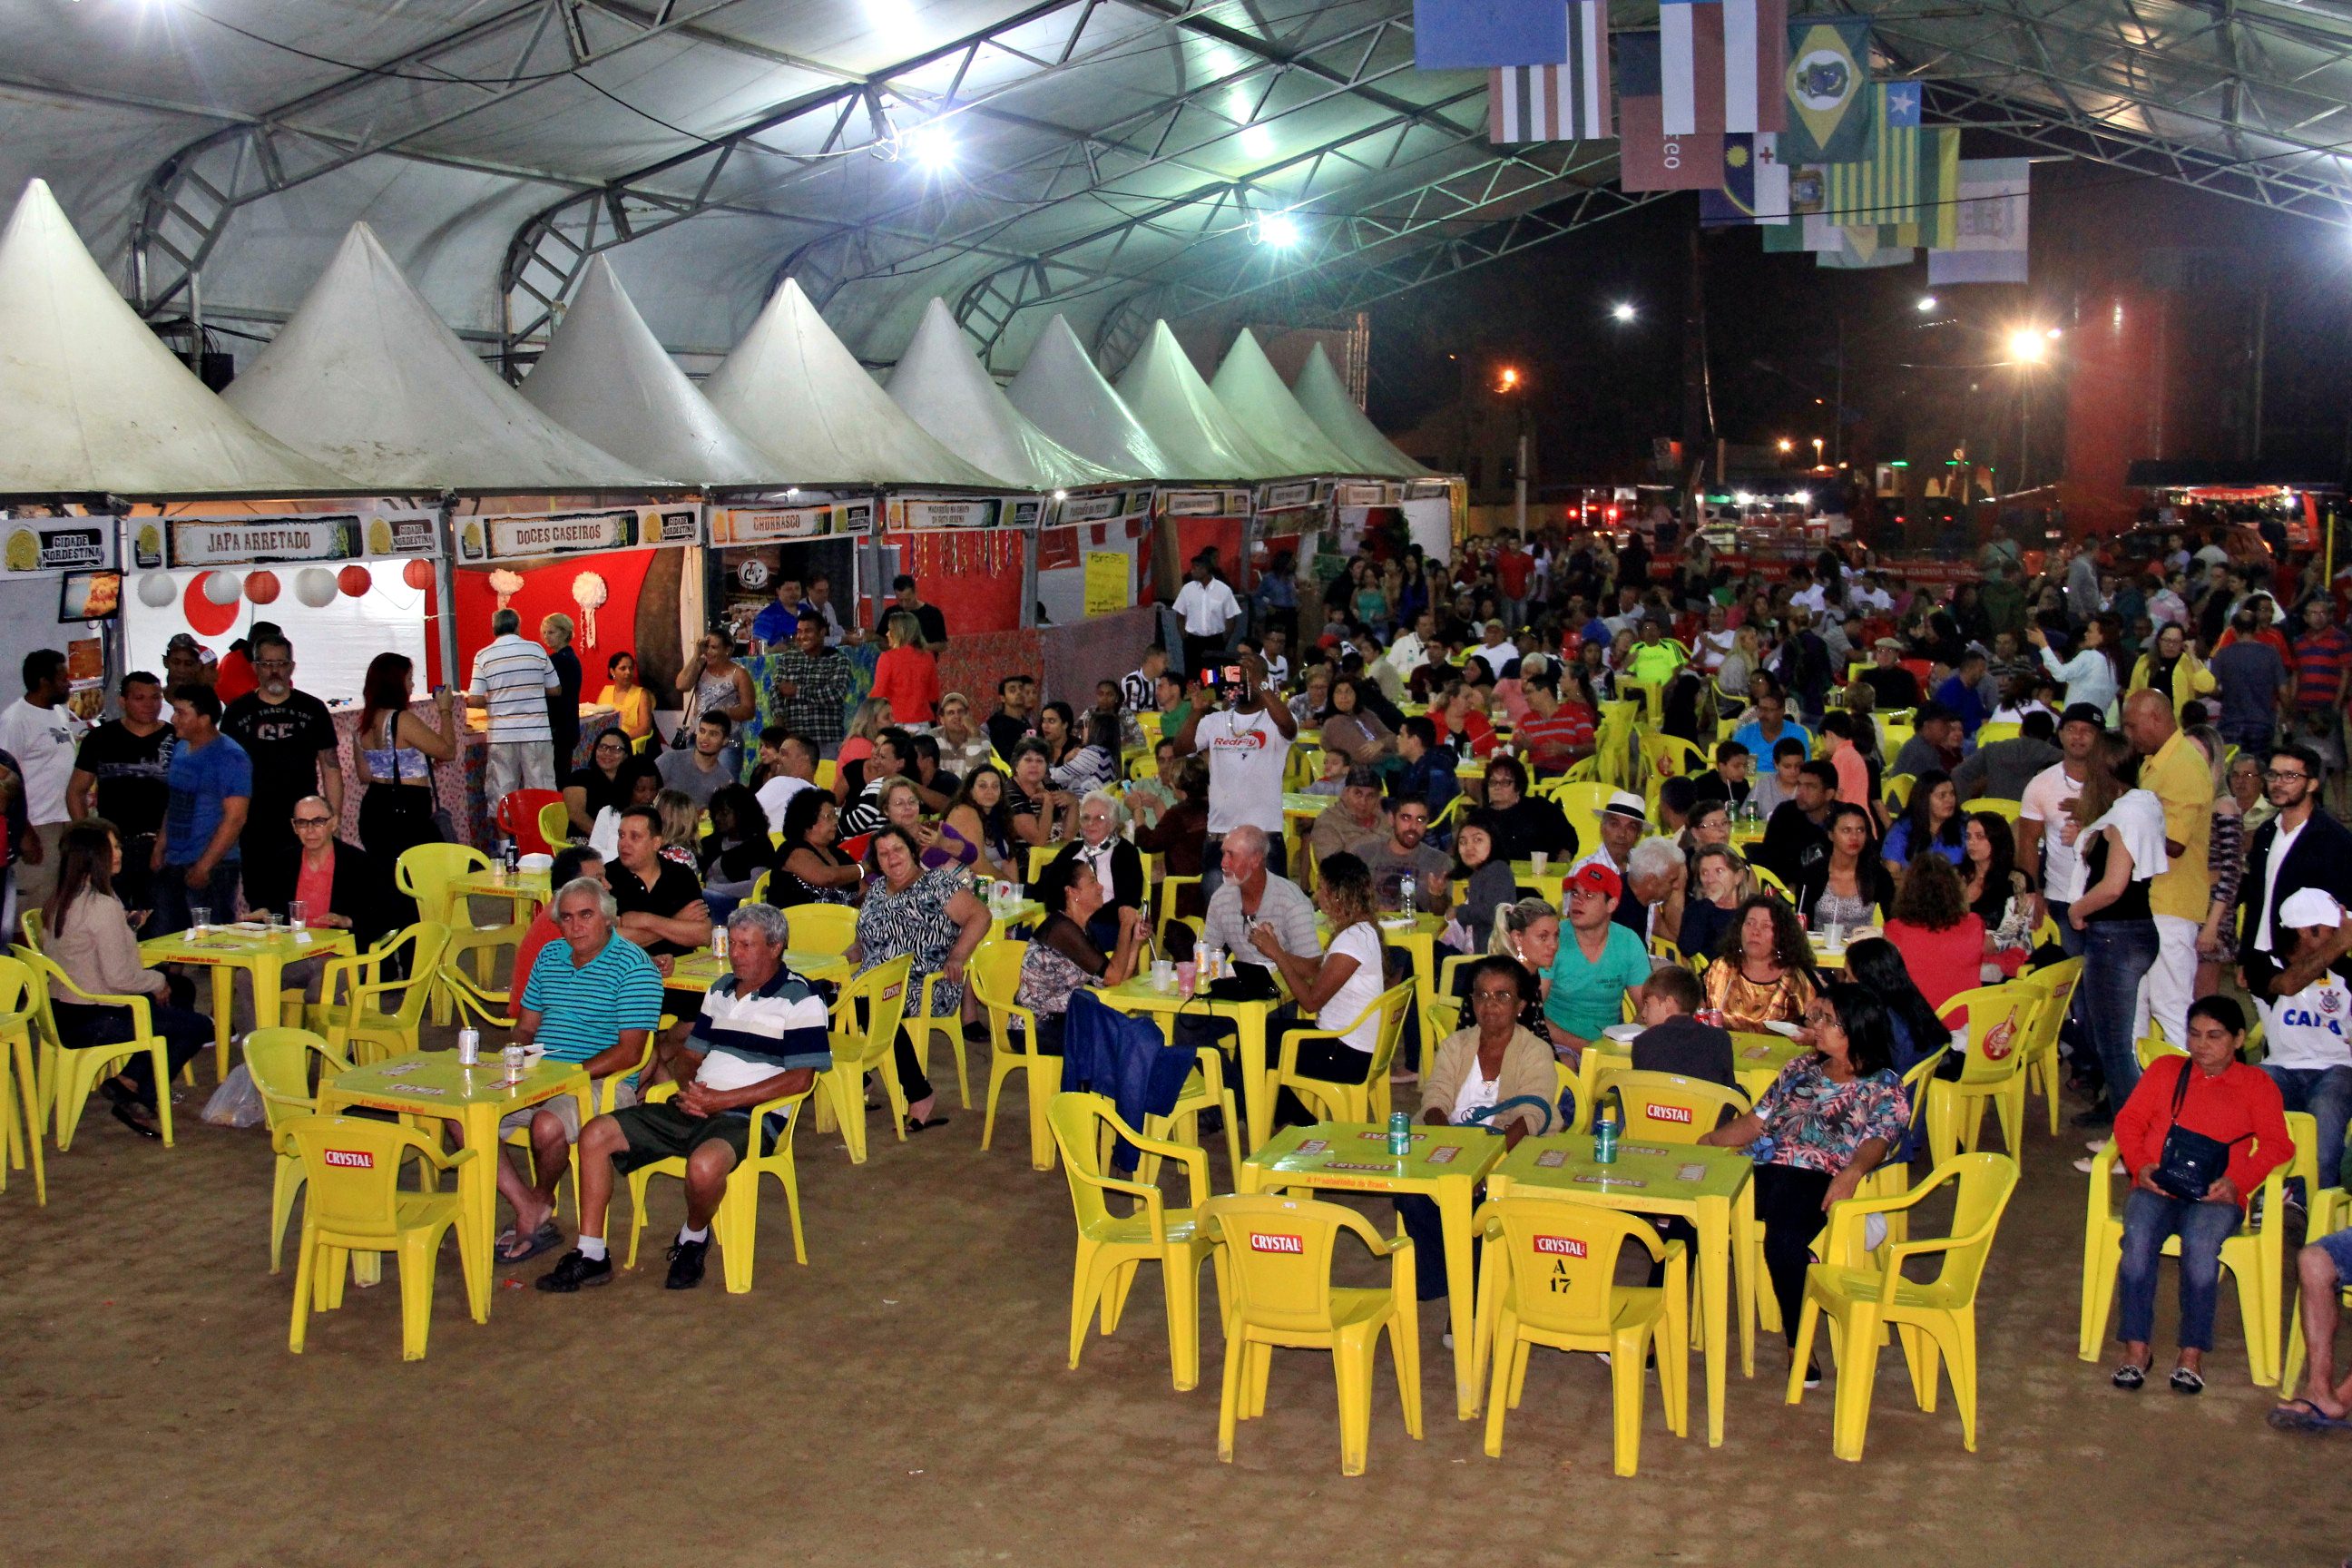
(2306, 1051)
(1623, 823)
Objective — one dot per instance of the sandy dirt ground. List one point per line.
(904, 1400)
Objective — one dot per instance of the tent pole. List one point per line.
(445, 583)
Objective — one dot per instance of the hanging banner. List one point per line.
(242, 540)
(1289, 496)
(1106, 584)
(1101, 506)
(772, 525)
(1366, 494)
(914, 514)
(577, 532)
(398, 535)
(37, 545)
(1204, 503)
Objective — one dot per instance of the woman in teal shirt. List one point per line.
(1599, 961)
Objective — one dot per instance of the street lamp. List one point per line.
(2027, 346)
(1786, 445)
(1508, 384)
(1926, 303)
(1817, 452)
(1623, 313)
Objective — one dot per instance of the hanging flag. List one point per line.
(1829, 68)
(1884, 186)
(1556, 102)
(1459, 34)
(1989, 223)
(1755, 65)
(1690, 67)
(1940, 186)
(1647, 158)
(1755, 188)
(1860, 247)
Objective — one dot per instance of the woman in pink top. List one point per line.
(907, 676)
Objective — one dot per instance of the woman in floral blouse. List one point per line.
(1825, 1123)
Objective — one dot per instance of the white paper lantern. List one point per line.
(224, 587)
(157, 591)
(315, 586)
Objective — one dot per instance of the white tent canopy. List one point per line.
(792, 387)
(1252, 391)
(1200, 438)
(1324, 397)
(366, 377)
(606, 378)
(1061, 391)
(97, 404)
(940, 384)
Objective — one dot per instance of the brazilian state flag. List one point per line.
(1830, 118)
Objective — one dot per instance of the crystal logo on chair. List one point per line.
(356, 1159)
(1262, 1241)
(1560, 1246)
(1668, 1113)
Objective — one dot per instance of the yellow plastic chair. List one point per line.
(1993, 1070)
(492, 1009)
(360, 1019)
(1441, 1005)
(827, 774)
(31, 923)
(995, 976)
(1112, 1246)
(279, 1061)
(1042, 856)
(1668, 755)
(1168, 915)
(1898, 786)
(1935, 1320)
(2331, 1211)
(1989, 732)
(351, 1166)
(820, 928)
(2006, 810)
(1365, 1101)
(555, 824)
(926, 1021)
(20, 1081)
(1666, 952)
(1667, 1107)
(69, 1074)
(2055, 985)
(1580, 803)
(425, 872)
(736, 1224)
(2256, 1259)
(859, 1049)
(1770, 882)
(1276, 1257)
(1550, 1279)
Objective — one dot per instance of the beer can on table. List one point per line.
(470, 1047)
(719, 942)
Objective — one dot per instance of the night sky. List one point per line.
(1601, 390)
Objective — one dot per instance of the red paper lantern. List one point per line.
(261, 587)
(417, 575)
(354, 581)
(205, 618)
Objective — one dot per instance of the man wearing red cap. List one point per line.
(1599, 959)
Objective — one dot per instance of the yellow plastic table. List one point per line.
(697, 970)
(1708, 1187)
(1550, 881)
(1825, 956)
(1026, 912)
(524, 888)
(263, 953)
(432, 1084)
(1756, 1059)
(1251, 1022)
(1445, 1166)
(1299, 811)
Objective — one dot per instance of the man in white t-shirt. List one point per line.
(1248, 748)
(2305, 1048)
(1497, 652)
(42, 733)
(795, 771)
(1207, 609)
(1714, 644)
(512, 679)
(2045, 834)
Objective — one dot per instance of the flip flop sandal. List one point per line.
(546, 1238)
(2184, 1381)
(926, 1125)
(2303, 1416)
(2129, 1376)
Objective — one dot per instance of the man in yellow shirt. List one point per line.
(2177, 773)
(1653, 660)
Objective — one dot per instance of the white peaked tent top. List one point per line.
(792, 387)
(1324, 396)
(939, 383)
(1200, 438)
(604, 377)
(365, 376)
(1062, 392)
(95, 404)
(1251, 390)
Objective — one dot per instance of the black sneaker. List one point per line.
(574, 1271)
(686, 1263)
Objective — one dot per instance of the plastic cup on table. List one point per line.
(297, 913)
(1539, 857)
(1185, 972)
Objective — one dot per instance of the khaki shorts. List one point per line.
(566, 1109)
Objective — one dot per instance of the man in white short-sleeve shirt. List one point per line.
(1248, 748)
(512, 677)
(2045, 834)
(1207, 609)
(43, 734)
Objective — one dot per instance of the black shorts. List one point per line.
(662, 1131)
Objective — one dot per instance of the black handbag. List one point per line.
(2191, 1161)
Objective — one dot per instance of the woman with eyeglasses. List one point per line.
(603, 784)
(1828, 1121)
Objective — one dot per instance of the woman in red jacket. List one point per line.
(1943, 940)
(907, 676)
(2210, 1090)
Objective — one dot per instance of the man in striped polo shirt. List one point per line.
(512, 677)
(593, 998)
(763, 1034)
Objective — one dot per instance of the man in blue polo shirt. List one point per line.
(763, 1034)
(775, 625)
(593, 998)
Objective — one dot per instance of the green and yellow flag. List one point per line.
(1828, 87)
(1882, 188)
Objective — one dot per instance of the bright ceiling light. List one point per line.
(1926, 303)
(1277, 229)
(1802, 498)
(1622, 311)
(2027, 345)
(1257, 140)
(930, 146)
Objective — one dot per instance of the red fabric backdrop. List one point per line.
(546, 591)
(973, 575)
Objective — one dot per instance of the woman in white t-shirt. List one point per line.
(1338, 987)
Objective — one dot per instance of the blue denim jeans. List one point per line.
(178, 906)
(2327, 1094)
(2116, 956)
(2149, 1219)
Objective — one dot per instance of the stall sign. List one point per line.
(577, 532)
(1287, 497)
(1426, 490)
(771, 525)
(1364, 495)
(396, 534)
(1107, 591)
(945, 514)
(42, 544)
(1103, 505)
(1204, 503)
(240, 540)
